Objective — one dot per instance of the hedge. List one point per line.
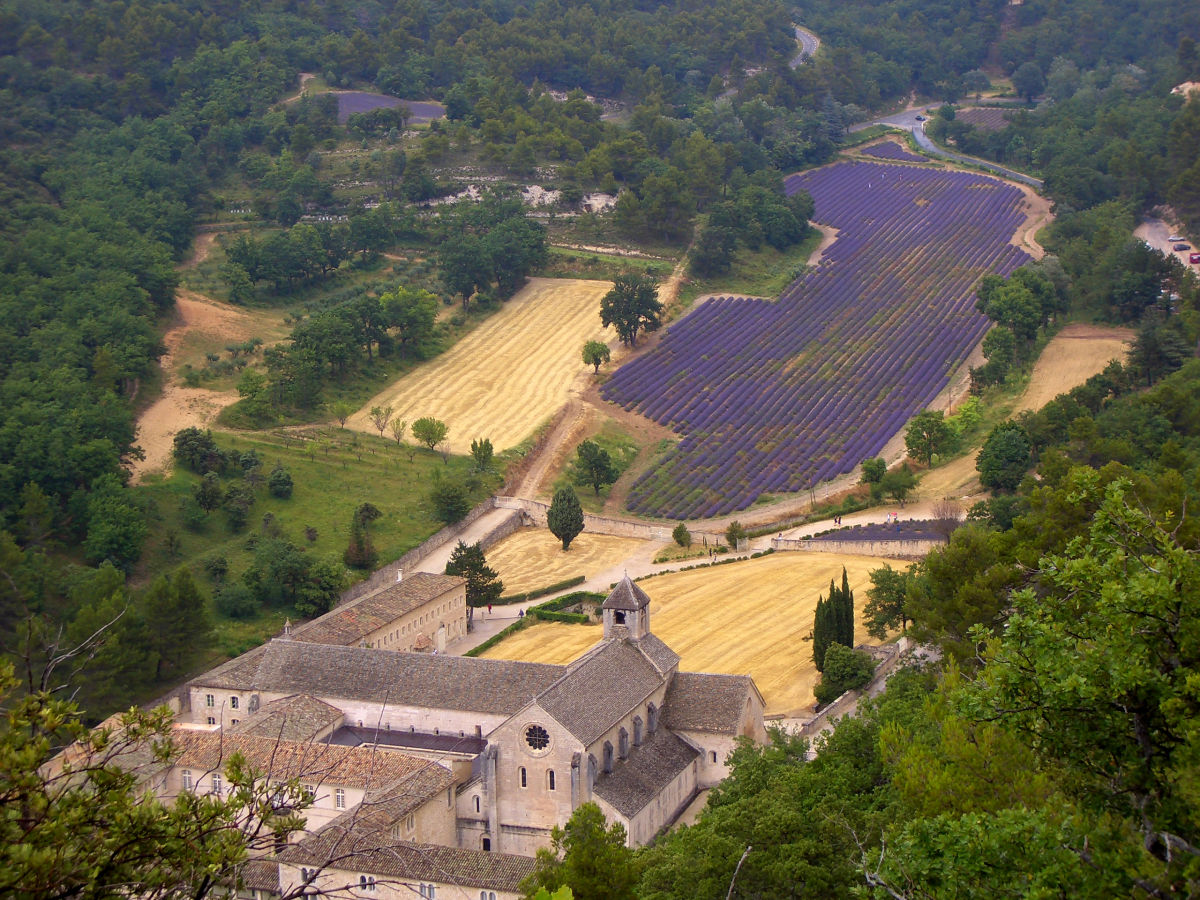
(541, 592)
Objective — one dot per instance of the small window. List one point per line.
(233, 702)
(714, 756)
(608, 756)
(185, 779)
(486, 845)
(366, 882)
(410, 823)
(339, 798)
(210, 700)
(233, 722)
(310, 792)
(212, 721)
(305, 875)
(623, 743)
(522, 775)
(477, 804)
(216, 784)
(551, 778)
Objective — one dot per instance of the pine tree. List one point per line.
(483, 583)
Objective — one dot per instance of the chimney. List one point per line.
(399, 575)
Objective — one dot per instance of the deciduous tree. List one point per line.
(631, 306)
(928, 435)
(430, 431)
(594, 466)
(596, 353)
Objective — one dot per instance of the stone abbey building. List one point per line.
(514, 747)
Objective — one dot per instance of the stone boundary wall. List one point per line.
(897, 549)
(535, 512)
(887, 658)
(386, 575)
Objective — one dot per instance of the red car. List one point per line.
(1194, 259)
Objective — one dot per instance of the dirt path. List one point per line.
(181, 406)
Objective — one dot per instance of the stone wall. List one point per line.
(536, 513)
(386, 575)
(887, 658)
(896, 549)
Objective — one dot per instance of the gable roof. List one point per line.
(698, 701)
(352, 622)
(318, 763)
(434, 681)
(660, 655)
(600, 688)
(626, 595)
(638, 780)
(362, 850)
(299, 717)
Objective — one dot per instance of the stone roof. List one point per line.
(260, 875)
(663, 657)
(638, 780)
(433, 681)
(353, 621)
(378, 854)
(382, 808)
(299, 717)
(317, 763)
(698, 701)
(626, 595)
(600, 688)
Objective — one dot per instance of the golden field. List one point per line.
(1073, 356)
(508, 375)
(533, 558)
(750, 617)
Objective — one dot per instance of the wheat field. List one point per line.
(510, 373)
(752, 617)
(533, 558)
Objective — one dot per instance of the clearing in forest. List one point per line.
(1073, 356)
(508, 375)
(753, 617)
(533, 558)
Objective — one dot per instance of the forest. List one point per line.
(127, 125)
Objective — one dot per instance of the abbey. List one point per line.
(523, 744)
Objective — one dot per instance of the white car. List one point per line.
(1176, 237)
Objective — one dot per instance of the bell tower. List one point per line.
(626, 612)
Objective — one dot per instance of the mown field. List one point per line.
(508, 375)
(753, 617)
(534, 558)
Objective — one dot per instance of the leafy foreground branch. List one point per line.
(74, 821)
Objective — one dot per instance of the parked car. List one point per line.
(1194, 259)
(920, 118)
(1175, 237)
(1181, 247)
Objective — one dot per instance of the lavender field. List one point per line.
(892, 150)
(775, 397)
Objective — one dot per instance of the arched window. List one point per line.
(591, 771)
(652, 718)
(486, 844)
(637, 731)
(550, 778)
(477, 804)
(608, 756)
(623, 743)
(524, 776)
(619, 617)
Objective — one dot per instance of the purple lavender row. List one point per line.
(892, 150)
(776, 397)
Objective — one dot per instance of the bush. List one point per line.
(236, 601)
(450, 501)
(845, 670)
(217, 567)
(681, 535)
(280, 483)
(734, 533)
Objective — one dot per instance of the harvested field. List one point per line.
(1073, 356)
(533, 558)
(510, 374)
(749, 617)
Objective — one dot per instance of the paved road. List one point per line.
(907, 119)
(808, 42)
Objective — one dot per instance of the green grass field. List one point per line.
(333, 471)
(754, 273)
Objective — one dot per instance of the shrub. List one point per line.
(681, 535)
(236, 601)
(845, 670)
(280, 483)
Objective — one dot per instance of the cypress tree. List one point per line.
(845, 604)
(565, 517)
(823, 632)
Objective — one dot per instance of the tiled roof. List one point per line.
(698, 701)
(636, 781)
(351, 622)
(316, 763)
(600, 688)
(378, 854)
(663, 657)
(260, 875)
(296, 718)
(495, 686)
(383, 808)
(626, 595)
